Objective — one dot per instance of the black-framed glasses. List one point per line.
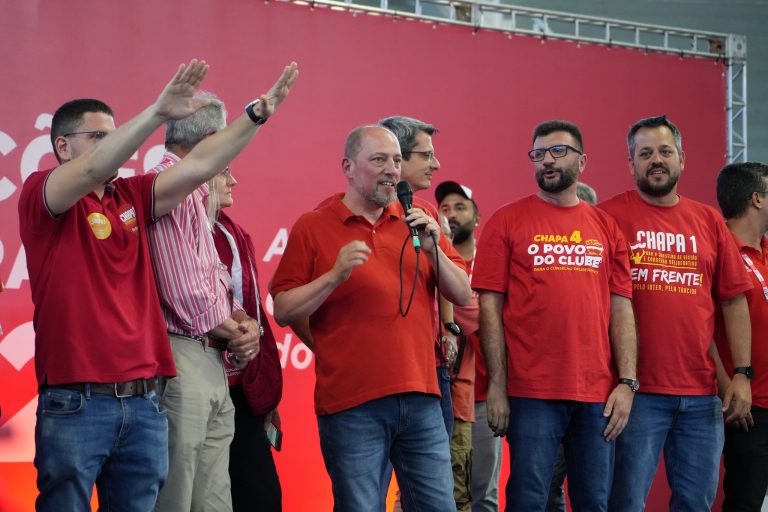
(227, 172)
(557, 151)
(97, 135)
(428, 155)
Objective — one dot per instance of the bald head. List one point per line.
(355, 138)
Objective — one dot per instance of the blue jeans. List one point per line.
(446, 404)
(406, 429)
(690, 429)
(121, 444)
(536, 429)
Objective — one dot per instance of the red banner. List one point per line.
(485, 90)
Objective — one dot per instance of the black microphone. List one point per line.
(405, 196)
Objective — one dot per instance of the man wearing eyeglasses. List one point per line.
(418, 166)
(101, 351)
(684, 263)
(557, 329)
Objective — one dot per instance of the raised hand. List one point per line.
(177, 100)
(269, 101)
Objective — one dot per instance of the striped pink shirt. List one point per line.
(194, 286)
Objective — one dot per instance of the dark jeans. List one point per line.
(536, 430)
(446, 404)
(121, 444)
(746, 465)
(556, 501)
(407, 428)
(255, 484)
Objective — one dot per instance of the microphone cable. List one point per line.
(415, 278)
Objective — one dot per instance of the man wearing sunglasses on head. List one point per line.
(557, 329)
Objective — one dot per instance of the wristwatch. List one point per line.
(633, 384)
(453, 328)
(257, 120)
(747, 371)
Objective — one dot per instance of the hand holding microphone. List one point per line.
(405, 196)
(422, 226)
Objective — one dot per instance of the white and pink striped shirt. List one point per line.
(194, 286)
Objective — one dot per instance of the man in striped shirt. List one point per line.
(204, 323)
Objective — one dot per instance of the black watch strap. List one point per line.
(453, 328)
(747, 371)
(633, 384)
(257, 120)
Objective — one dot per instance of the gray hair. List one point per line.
(586, 193)
(405, 130)
(653, 122)
(186, 133)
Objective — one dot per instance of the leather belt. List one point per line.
(117, 389)
(204, 340)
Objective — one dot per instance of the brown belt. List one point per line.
(116, 389)
(204, 340)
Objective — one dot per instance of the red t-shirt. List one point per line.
(97, 314)
(463, 386)
(468, 318)
(558, 267)
(680, 256)
(364, 348)
(758, 315)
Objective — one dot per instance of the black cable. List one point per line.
(439, 308)
(415, 278)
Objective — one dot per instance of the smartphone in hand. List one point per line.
(275, 436)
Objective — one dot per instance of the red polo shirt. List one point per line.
(97, 314)
(364, 348)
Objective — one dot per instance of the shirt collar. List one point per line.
(337, 206)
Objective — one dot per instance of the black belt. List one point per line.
(204, 340)
(116, 389)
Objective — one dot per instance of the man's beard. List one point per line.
(461, 232)
(568, 177)
(660, 190)
(379, 198)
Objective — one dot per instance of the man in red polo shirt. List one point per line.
(376, 396)
(742, 193)
(101, 351)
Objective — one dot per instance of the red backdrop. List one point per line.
(485, 91)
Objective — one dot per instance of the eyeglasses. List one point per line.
(97, 135)
(227, 172)
(428, 155)
(557, 151)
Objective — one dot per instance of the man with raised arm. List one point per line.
(376, 395)
(200, 314)
(101, 352)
